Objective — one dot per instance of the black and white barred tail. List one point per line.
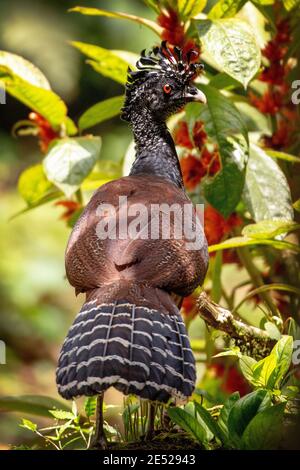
(133, 348)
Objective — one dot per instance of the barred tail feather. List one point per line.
(133, 348)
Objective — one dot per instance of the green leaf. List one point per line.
(187, 422)
(225, 126)
(246, 364)
(231, 45)
(243, 411)
(90, 405)
(223, 417)
(69, 162)
(61, 414)
(28, 425)
(225, 9)
(267, 194)
(107, 63)
(282, 156)
(270, 371)
(44, 102)
(291, 4)
(223, 81)
(100, 112)
(269, 228)
(210, 422)
(189, 8)
(31, 404)
(24, 69)
(33, 184)
(237, 242)
(118, 15)
(265, 430)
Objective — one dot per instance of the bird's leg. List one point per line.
(99, 440)
(150, 431)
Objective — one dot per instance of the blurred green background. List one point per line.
(37, 304)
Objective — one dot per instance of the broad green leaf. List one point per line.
(225, 126)
(90, 405)
(270, 371)
(291, 4)
(265, 430)
(269, 228)
(246, 364)
(210, 422)
(33, 184)
(223, 417)
(267, 194)
(106, 62)
(28, 425)
(223, 81)
(282, 156)
(243, 411)
(100, 112)
(24, 69)
(44, 102)
(61, 414)
(31, 404)
(232, 46)
(225, 9)
(237, 242)
(69, 162)
(187, 422)
(190, 8)
(118, 15)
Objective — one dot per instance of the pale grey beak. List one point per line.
(193, 93)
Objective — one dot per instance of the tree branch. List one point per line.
(251, 340)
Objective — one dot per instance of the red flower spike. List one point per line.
(70, 208)
(216, 226)
(45, 132)
(199, 135)
(280, 139)
(269, 103)
(192, 171)
(182, 136)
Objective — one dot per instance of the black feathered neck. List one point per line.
(146, 108)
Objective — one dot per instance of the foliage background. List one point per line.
(37, 304)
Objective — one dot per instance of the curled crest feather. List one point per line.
(160, 61)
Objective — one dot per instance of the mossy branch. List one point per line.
(251, 340)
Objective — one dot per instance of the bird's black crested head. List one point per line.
(163, 83)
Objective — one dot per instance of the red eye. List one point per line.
(167, 88)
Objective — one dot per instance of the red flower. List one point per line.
(216, 226)
(70, 208)
(182, 136)
(269, 103)
(274, 74)
(173, 31)
(199, 134)
(232, 379)
(274, 51)
(45, 132)
(280, 139)
(192, 171)
(211, 161)
(283, 31)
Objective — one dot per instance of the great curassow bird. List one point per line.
(129, 333)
